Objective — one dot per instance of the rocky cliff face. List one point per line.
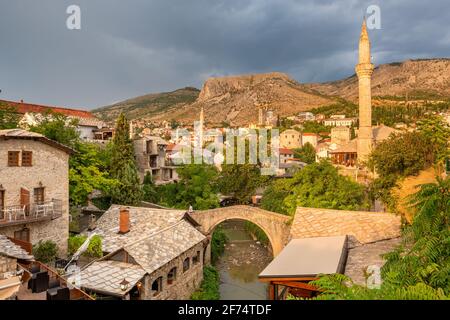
(417, 78)
(236, 99)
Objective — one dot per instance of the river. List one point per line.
(240, 264)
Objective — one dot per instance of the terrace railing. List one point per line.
(48, 210)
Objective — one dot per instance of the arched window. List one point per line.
(157, 286)
(172, 275)
(196, 258)
(186, 264)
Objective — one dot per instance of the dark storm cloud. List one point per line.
(128, 48)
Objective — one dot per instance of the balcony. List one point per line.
(14, 215)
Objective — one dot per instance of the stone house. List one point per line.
(150, 254)
(34, 188)
(150, 154)
(89, 127)
(291, 139)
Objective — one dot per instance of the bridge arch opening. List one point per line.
(252, 228)
(246, 253)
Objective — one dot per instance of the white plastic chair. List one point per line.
(21, 213)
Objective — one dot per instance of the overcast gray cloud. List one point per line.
(133, 47)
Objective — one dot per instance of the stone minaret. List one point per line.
(364, 70)
(202, 119)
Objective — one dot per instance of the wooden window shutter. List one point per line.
(13, 158)
(25, 199)
(27, 158)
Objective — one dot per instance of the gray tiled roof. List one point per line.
(10, 249)
(159, 249)
(360, 257)
(106, 276)
(156, 236)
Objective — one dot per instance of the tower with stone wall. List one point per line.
(364, 70)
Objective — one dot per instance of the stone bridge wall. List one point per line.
(276, 226)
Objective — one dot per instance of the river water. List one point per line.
(240, 264)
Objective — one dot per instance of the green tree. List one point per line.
(402, 154)
(88, 172)
(319, 185)
(88, 167)
(197, 187)
(149, 189)
(437, 131)
(58, 127)
(241, 181)
(9, 118)
(274, 195)
(128, 190)
(306, 154)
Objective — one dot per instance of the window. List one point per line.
(27, 158)
(186, 264)
(196, 258)
(157, 286)
(39, 195)
(172, 275)
(13, 158)
(2, 202)
(23, 235)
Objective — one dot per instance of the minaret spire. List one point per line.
(364, 70)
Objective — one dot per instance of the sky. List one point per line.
(129, 48)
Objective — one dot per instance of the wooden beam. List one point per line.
(299, 285)
(288, 279)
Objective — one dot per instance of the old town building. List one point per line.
(291, 139)
(89, 127)
(151, 157)
(150, 254)
(34, 188)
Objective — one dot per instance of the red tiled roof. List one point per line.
(23, 108)
(286, 151)
(170, 147)
(309, 134)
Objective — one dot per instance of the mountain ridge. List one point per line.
(236, 99)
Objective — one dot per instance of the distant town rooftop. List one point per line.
(22, 107)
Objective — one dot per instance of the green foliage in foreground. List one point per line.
(209, 289)
(94, 249)
(45, 251)
(418, 269)
(218, 241)
(340, 287)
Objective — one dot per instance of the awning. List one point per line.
(308, 257)
(9, 287)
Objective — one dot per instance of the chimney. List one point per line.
(124, 221)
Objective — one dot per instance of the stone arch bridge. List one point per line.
(276, 226)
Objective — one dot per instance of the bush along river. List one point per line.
(243, 258)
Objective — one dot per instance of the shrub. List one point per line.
(218, 241)
(209, 289)
(94, 249)
(45, 251)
